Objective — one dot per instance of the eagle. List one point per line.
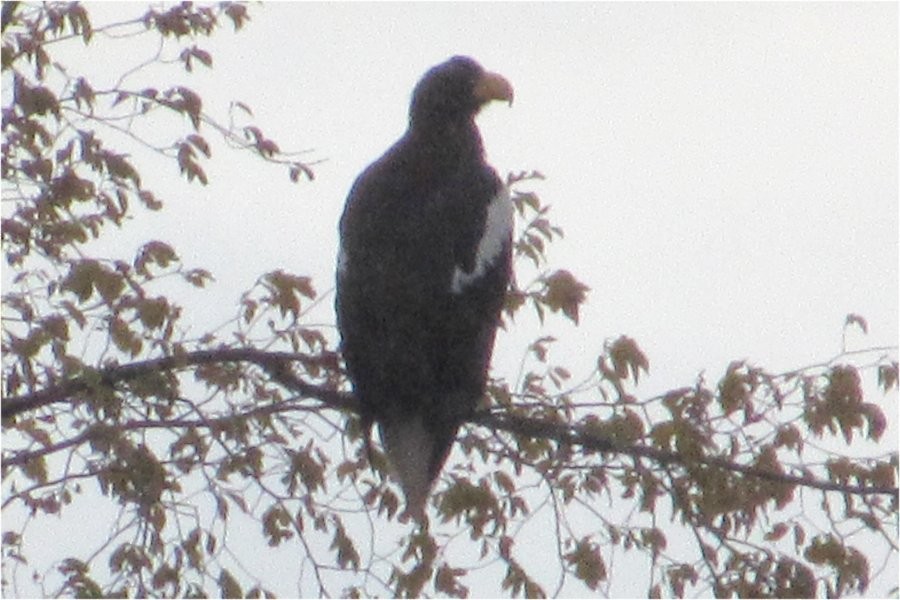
(423, 266)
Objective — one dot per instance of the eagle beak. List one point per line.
(492, 86)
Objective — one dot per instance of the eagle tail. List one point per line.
(411, 448)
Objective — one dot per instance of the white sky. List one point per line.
(726, 174)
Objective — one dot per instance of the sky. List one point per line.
(726, 174)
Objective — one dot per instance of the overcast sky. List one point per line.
(726, 174)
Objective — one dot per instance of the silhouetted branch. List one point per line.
(575, 435)
(278, 365)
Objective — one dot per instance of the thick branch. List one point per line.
(575, 435)
(278, 365)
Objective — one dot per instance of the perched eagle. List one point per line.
(423, 267)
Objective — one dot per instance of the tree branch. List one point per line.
(575, 435)
(278, 365)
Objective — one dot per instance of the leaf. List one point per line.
(513, 178)
(187, 165)
(562, 291)
(876, 420)
(56, 326)
(882, 474)
(299, 168)
(462, 497)
(120, 169)
(153, 312)
(346, 552)
(734, 392)
(200, 143)
(267, 148)
(36, 469)
(505, 482)
(221, 507)
(887, 376)
(843, 400)
(149, 200)
(626, 356)
(188, 54)
(88, 275)
(83, 92)
(253, 133)
(777, 532)
(190, 103)
(588, 563)
(229, 585)
(854, 319)
(35, 100)
(789, 436)
(124, 339)
(287, 290)
(523, 200)
(80, 23)
(540, 347)
(237, 13)
(799, 536)
(389, 504)
(154, 252)
(121, 97)
(307, 468)
(80, 279)
(243, 107)
(276, 525)
(197, 277)
(446, 581)
(165, 574)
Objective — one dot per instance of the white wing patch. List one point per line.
(498, 225)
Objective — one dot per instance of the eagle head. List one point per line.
(456, 90)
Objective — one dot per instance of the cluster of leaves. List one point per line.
(558, 290)
(730, 463)
(72, 318)
(63, 186)
(250, 428)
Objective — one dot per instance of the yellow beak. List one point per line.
(492, 86)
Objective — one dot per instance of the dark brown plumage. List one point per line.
(423, 268)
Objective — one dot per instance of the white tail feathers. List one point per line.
(409, 447)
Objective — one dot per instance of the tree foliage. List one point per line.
(207, 446)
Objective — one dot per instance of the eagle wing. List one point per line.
(422, 276)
